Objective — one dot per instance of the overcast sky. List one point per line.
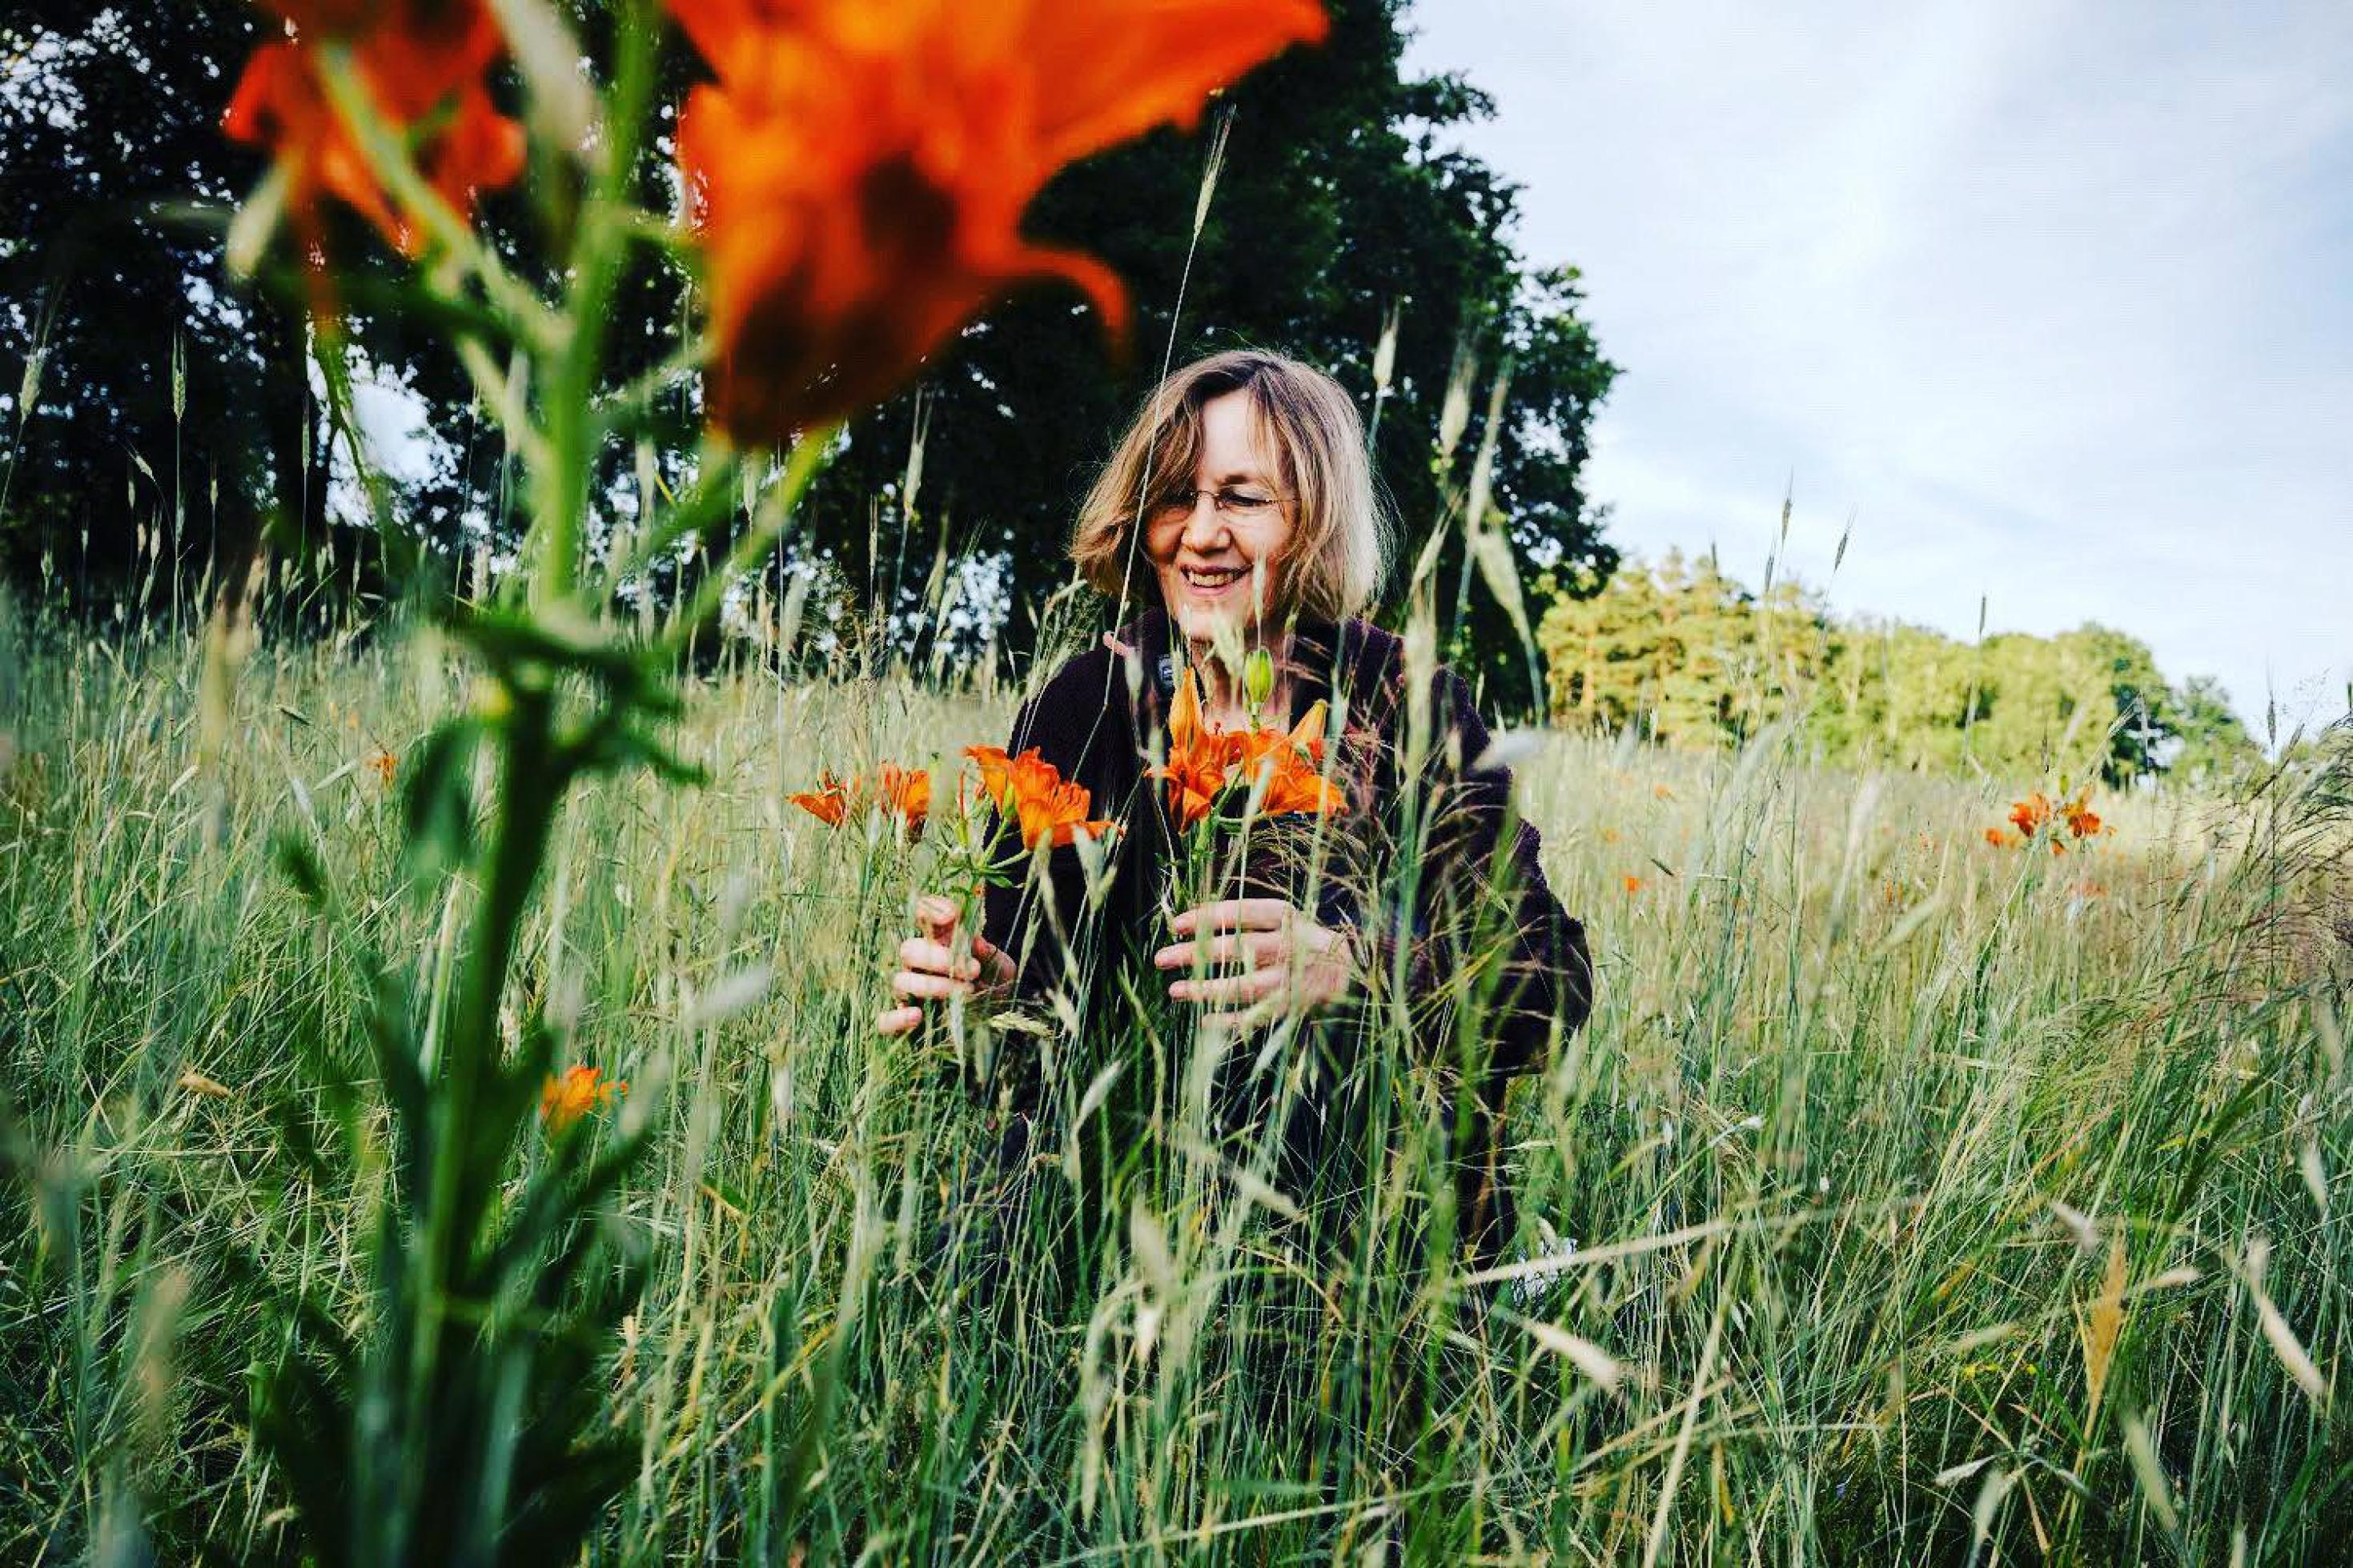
(2056, 299)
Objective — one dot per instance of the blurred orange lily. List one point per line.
(829, 803)
(1032, 791)
(2028, 815)
(858, 172)
(905, 793)
(1631, 883)
(2083, 822)
(581, 1090)
(421, 63)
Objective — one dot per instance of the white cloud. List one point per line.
(2051, 297)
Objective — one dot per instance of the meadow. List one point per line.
(1908, 1198)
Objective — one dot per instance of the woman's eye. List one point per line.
(1245, 500)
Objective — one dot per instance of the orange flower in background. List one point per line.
(905, 793)
(384, 765)
(421, 63)
(1997, 838)
(1631, 883)
(2083, 822)
(581, 1090)
(859, 171)
(829, 803)
(2028, 815)
(1032, 791)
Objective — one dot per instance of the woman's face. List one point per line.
(1215, 540)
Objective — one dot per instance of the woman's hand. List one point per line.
(932, 970)
(1276, 952)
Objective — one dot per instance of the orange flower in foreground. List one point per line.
(384, 765)
(1032, 791)
(859, 172)
(579, 1090)
(421, 63)
(1204, 763)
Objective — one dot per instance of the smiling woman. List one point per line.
(1239, 508)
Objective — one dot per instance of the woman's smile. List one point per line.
(1208, 582)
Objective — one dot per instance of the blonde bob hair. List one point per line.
(1332, 565)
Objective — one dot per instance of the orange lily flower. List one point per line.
(1204, 763)
(905, 793)
(829, 803)
(2083, 822)
(2030, 813)
(859, 172)
(1632, 884)
(580, 1090)
(384, 765)
(422, 63)
(1033, 791)
(1997, 838)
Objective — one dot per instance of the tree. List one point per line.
(1689, 659)
(1337, 203)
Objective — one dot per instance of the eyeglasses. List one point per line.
(1233, 505)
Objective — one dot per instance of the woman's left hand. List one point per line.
(1268, 949)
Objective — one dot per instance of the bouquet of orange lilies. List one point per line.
(1263, 772)
(1248, 805)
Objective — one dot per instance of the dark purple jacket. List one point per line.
(1100, 719)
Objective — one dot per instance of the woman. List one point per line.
(1240, 506)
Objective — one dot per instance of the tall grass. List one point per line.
(1906, 1199)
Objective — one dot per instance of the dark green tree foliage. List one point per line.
(1693, 660)
(114, 182)
(1338, 202)
(108, 113)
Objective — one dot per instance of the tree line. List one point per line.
(1687, 656)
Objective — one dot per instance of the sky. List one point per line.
(2053, 300)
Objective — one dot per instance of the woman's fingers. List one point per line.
(1261, 947)
(1235, 915)
(1255, 986)
(912, 984)
(929, 957)
(897, 1020)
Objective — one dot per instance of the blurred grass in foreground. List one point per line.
(1929, 1200)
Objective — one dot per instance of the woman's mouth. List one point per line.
(1206, 579)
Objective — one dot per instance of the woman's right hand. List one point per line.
(931, 970)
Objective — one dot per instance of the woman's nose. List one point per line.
(1205, 525)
